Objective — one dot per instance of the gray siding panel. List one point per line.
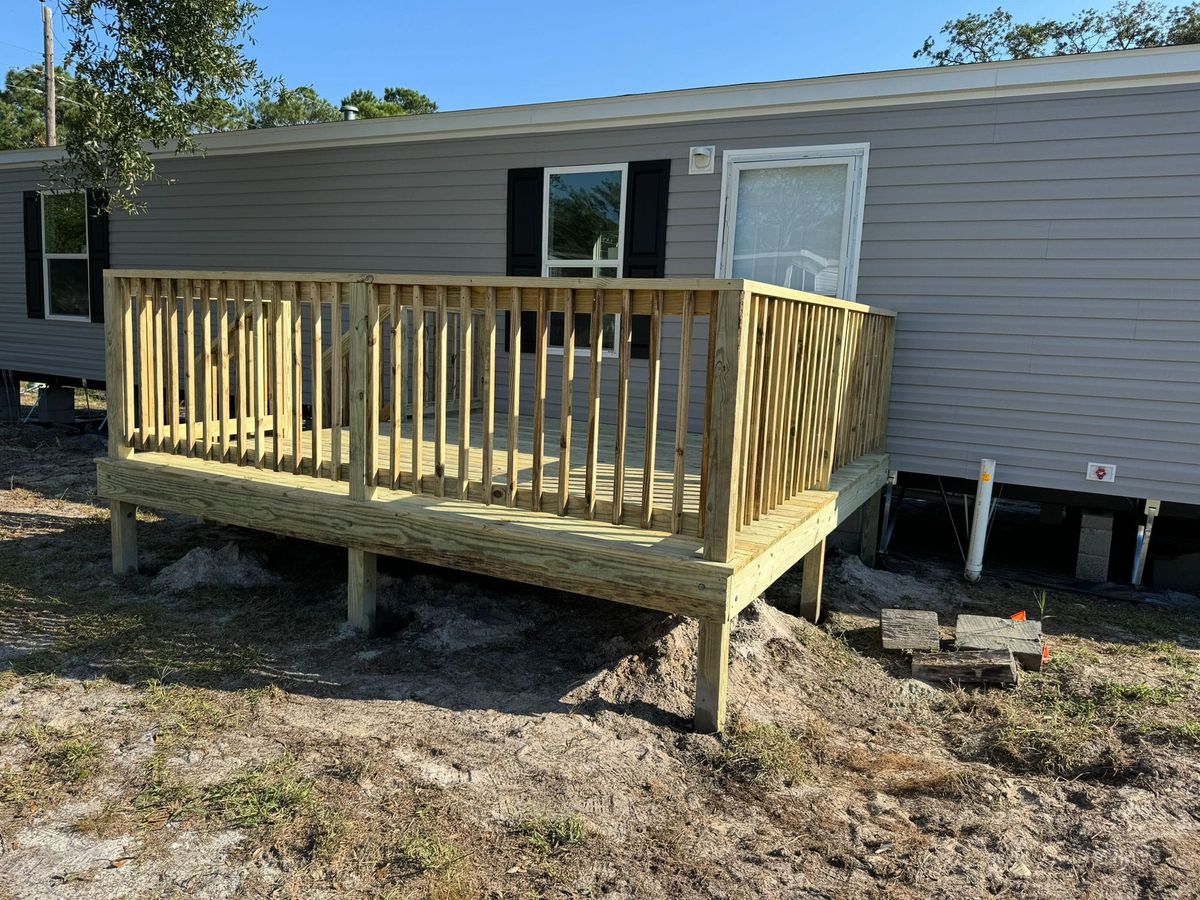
(1044, 254)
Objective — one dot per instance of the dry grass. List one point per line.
(767, 754)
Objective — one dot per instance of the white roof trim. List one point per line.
(1010, 78)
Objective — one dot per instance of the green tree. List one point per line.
(149, 76)
(1128, 25)
(23, 107)
(291, 106)
(397, 101)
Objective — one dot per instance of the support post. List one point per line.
(118, 369)
(812, 583)
(868, 536)
(362, 587)
(124, 538)
(729, 335)
(361, 432)
(712, 676)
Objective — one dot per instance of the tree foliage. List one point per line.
(397, 101)
(290, 106)
(23, 107)
(149, 76)
(1128, 25)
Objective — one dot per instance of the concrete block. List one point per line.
(1095, 543)
(1091, 568)
(56, 405)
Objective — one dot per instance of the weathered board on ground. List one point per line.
(909, 629)
(967, 667)
(1024, 639)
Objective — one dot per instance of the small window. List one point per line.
(65, 255)
(584, 237)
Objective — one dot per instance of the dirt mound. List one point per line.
(201, 567)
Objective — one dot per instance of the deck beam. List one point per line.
(124, 538)
(712, 676)
(362, 588)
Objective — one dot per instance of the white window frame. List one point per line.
(854, 155)
(619, 263)
(47, 256)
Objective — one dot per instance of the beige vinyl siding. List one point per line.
(1044, 254)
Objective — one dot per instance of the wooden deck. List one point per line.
(263, 400)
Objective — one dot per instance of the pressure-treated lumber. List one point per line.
(813, 584)
(124, 537)
(361, 590)
(1023, 638)
(909, 629)
(996, 667)
(727, 376)
(712, 675)
(118, 371)
(868, 529)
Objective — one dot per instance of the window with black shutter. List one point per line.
(588, 222)
(66, 253)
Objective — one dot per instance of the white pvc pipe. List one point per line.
(983, 507)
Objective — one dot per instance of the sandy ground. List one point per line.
(210, 728)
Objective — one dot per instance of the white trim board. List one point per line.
(1156, 66)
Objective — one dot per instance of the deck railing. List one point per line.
(748, 394)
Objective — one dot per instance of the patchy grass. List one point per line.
(553, 835)
(56, 760)
(766, 754)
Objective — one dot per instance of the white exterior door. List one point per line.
(792, 216)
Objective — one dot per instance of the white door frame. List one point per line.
(854, 156)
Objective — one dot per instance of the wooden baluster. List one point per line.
(765, 423)
(488, 388)
(374, 398)
(778, 387)
(145, 380)
(594, 394)
(466, 345)
(364, 414)
(567, 403)
(885, 375)
(797, 401)
(243, 373)
(514, 392)
(158, 305)
(224, 405)
(336, 352)
(682, 396)
(747, 435)
(317, 314)
(188, 289)
(129, 394)
(539, 398)
(836, 392)
(439, 409)
(708, 412)
(418, 388)
(397, 382)
(259, 370)
(653, 381)
(274, 409)
(625, 351)
(171, 348)
(297, 375)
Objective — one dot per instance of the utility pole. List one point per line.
(51, 99)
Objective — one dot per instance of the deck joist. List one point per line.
(642, 567)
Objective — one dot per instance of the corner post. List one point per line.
(362, 588)
(727, 384)
(868, 529)
(712, 676)
(362, 486)
(124, 538)
(812, 583)
(118, 369)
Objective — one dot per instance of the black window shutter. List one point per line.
(97, 234)
(35, 294)
(524, 241)
(646, 235)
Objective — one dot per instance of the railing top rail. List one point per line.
(508, 281)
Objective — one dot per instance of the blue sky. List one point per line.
(472, 54)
